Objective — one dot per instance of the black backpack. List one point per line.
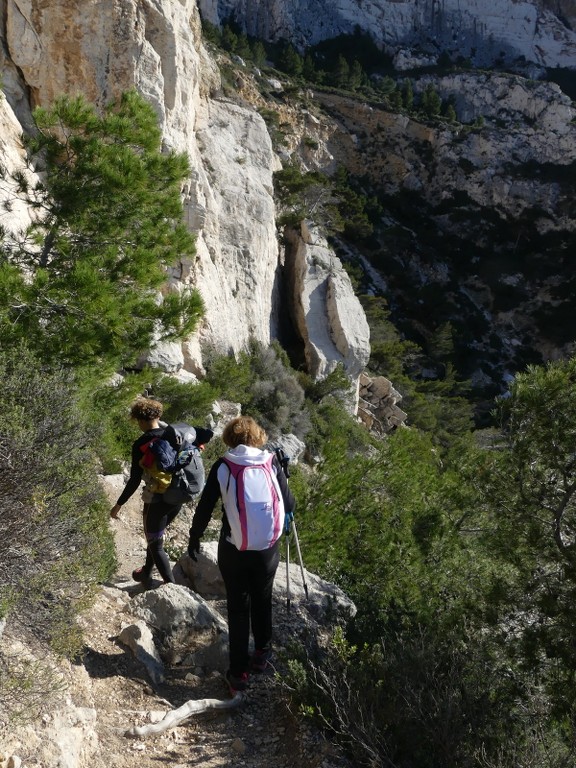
(186, 466)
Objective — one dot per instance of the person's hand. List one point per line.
(288, 517)
(194, 548)
(115, 511)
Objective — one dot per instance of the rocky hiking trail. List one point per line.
(110, 691)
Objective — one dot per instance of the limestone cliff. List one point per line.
(320, 290)
(461, 202)
(102, 49)
(538, 31)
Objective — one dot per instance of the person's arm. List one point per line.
(287, 495)
(133, 481)
(204, 510)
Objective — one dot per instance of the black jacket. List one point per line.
(136, 470)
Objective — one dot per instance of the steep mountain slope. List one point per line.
(478, 216)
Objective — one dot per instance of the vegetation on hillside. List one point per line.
(347, 63)
(82, 282)
(451, 259)
(56, 546)
(455, 543)
(461, 651)
(79, 296)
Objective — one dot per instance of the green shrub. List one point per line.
(81, 284)
(310, 142)
(28, 687)
(424, 699)
(56, 544)
(261, 380)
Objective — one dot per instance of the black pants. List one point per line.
(157, 517)
(248, 578)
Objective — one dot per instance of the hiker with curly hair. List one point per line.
(157, 513)
(255, 497)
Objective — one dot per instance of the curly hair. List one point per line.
(146, 409)
(243, 430)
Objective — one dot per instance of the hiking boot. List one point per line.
(237, 683)
(141, 576)
(261, 660)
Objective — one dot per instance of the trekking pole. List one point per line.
(297, 542)
(287, 531)
(284, 461)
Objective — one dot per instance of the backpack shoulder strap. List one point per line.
(231, 473)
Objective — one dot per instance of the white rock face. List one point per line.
(327, 314)
(524, 122)
(102, 49)
(472, 28)
(236, 272)
(538, 128)
(12, 154)
(542, 105)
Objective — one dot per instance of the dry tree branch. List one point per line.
(176, 716)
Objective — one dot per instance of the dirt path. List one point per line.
(261, 733)
(109, 691)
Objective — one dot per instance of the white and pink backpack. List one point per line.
(252, 498)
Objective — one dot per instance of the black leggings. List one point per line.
(248, 578)
(157, 517)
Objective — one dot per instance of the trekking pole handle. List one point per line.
(283, 460)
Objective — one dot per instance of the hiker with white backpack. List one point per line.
(255, 496)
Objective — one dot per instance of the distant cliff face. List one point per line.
(541, 32)
(480, 219)
(480, 215)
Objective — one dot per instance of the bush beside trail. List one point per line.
(56, 546)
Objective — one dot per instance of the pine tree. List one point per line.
(290, 61)
(258, 53)
(408, 95)
(229, 39)
(431, 101)
(309, 69)
(395, 97)
(243, 48)
(82, 283)
(529, 485)
(357, 75)
(342, 73)
(451, 113)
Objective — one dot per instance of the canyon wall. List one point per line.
(540, 32)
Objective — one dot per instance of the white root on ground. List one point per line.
(176, 716)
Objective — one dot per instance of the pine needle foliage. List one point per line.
(188, 402)
(82, 281)
(529, 493)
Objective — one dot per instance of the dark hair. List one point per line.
(243, 430)
(146, 409)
